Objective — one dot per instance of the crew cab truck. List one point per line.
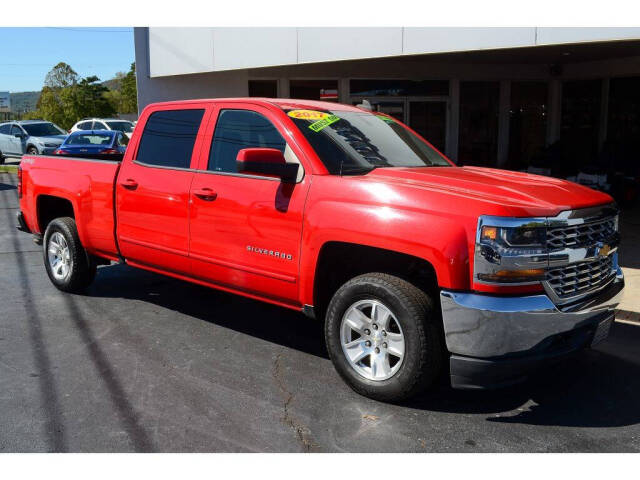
(416, 266)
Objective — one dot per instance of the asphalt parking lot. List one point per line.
(147, 363)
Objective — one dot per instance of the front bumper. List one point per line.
(497, 340)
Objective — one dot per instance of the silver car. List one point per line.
(33, 137)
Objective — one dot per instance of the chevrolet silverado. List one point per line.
(416, 266)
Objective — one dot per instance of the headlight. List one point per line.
(510, 251)
(51, 145)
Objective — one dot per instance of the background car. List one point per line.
(124, 126)
(34, 137)
(98, 144)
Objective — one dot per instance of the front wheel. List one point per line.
(69, 267)
(32, 151)
(383, 337)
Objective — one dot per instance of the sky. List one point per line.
(29, 53)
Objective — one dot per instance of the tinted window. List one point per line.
(238, 129)
(84, 126)
(89, 139)
(43, 129)
(168, 138)
(126, 127)
(99, 126)
(16, 129)
(5, 129)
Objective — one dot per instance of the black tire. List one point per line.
(414, 312)
(82, 268)
(32, 151)
(2, 158)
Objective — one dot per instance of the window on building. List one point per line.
(238, 129)
(314, 90)
(401, 88)
(527, 123)
(263, 88)
(478, 143)
(580, 124)
(622, 146)
(168, 138)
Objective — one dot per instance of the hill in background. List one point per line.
(24, 101)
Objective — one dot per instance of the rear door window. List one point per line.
(238, 129)
(168, 138)
(84, 126)
(5, 129)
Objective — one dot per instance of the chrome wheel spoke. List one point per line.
(395, 344)
(356, 350)
(357, 320)
(380, 315)
(380, 367)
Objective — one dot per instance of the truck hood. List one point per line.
(523, 194)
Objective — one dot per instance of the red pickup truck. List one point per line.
(416, 266)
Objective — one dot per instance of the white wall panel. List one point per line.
(550, 35)
(325, 44)
(451, 39)
(176, 51)
(253, 47)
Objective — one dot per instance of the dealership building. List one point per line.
(561, 99)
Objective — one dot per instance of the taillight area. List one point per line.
(61, 151)
(19, 187)
(109, 151)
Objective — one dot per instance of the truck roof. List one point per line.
(284, 103)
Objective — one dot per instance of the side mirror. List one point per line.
(18, 135)
(266, 162)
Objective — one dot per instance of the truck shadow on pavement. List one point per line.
(597, 388)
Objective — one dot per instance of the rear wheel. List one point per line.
(69, 267)
(383, 337)
(1, 158)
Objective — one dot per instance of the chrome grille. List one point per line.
(581, 235)
(580, 277)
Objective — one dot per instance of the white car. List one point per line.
(125, 126)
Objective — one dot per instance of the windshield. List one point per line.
(89, 139)
(357, 142)
(43, 129)
(126, 127)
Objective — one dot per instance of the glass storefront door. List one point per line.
(429, 119)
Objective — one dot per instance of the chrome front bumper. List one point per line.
(487, 326)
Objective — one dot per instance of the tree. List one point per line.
(61, 76)
(129, 92)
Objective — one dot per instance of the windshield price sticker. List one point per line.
(308, 114)
(325, 122)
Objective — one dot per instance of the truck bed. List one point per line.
(87, 184)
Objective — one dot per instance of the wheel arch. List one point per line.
(339, 261)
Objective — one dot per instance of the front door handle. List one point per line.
(130, 184)
(205, 194)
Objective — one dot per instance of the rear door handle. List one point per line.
(130, 184)
(205, 194)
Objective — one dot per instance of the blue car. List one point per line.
(98, 144)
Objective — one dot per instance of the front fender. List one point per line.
(439, 239)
